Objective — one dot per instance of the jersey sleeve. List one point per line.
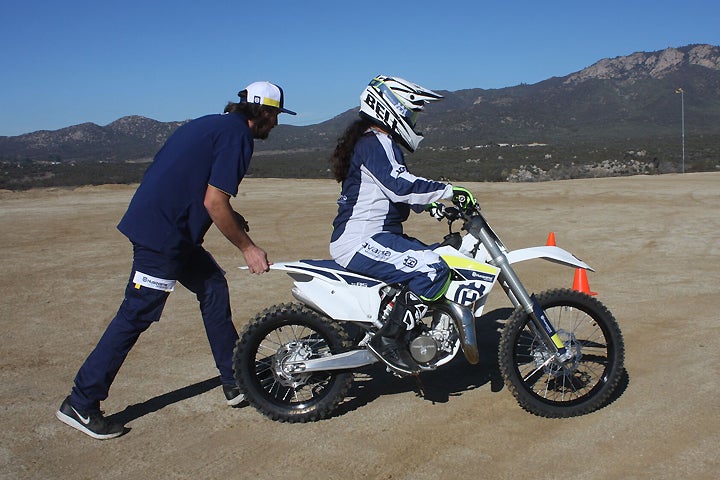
(386, 165)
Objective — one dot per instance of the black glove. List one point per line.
(437, 210)
(463, 198)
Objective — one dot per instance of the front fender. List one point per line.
(551, 253)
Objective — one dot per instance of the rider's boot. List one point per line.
(387, 344)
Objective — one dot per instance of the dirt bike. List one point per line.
(560, 353)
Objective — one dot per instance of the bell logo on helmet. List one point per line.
(380, 110)
(393, 103)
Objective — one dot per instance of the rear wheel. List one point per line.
(578, 385)
(263, 364)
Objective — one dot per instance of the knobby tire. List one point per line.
(576, 387)
(283, 332)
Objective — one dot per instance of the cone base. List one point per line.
(580, 282)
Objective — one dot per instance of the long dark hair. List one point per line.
(250, 110)
(340, 159)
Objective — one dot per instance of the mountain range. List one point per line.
(617, 110)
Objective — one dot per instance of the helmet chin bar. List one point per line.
(408, 139)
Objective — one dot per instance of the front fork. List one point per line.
(517, 294)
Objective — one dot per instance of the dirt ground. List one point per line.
(653, 240)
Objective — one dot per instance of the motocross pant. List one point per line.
(153, 276)
(395, 258)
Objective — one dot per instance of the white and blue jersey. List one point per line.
(375, 200)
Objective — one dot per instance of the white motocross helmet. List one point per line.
(393, 103)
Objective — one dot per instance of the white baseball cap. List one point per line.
(265, 93)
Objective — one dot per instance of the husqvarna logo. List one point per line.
(485, 277)
(469, 294)
(410, 262)
(473, 275)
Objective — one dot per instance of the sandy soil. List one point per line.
(653, 241)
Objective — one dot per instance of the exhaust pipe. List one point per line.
(465, 324)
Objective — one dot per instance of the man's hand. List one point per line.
(256, 259)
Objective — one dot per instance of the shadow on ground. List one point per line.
(450, 380)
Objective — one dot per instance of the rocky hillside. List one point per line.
(656, 65)
(129, 138)
(615, 111)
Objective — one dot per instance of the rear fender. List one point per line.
(339, 294)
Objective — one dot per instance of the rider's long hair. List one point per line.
(340, 159)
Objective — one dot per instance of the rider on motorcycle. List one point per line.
(377, 195)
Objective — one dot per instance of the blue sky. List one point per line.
(65, 63)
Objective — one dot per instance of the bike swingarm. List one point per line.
(341, 361)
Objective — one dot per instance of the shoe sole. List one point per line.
(79, 426)
(237, 400)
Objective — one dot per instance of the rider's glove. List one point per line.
(463, 198)
(437, 210)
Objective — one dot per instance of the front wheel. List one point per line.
(577, 385)
(263, 363)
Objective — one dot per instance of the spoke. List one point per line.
(571, 381)
(292, 341)
(538, 369)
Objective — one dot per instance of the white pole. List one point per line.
(682, 119)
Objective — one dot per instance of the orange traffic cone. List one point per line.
(551, 240)
(580, 282)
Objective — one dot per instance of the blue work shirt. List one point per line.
(167, 212)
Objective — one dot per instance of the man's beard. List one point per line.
(262, 126)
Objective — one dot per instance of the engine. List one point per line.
(435, 344)
(423, 349)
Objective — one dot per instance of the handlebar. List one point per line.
(474, 223)
(456, 212)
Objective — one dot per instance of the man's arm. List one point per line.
(233, 226)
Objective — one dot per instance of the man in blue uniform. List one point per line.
(185, 190)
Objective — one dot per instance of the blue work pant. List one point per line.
(142, 305)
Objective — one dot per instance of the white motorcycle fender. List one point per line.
(551, 253)
(338, 299)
